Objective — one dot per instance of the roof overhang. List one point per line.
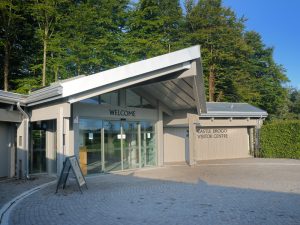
(12, 98)
(177, 76)
(160, 74)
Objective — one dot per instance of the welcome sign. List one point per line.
(116, 112)
(122, 112)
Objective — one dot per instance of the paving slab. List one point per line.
(11, 188)
(213, 194)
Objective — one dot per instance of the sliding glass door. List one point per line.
(90, 145)
(148, 148)
(112, 145)
(130, 145)
(115, 145)
(38, 151)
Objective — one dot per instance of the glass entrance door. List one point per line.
(148, 150)
(115, 145)
(130, 145)
(90, 145)
(112, 145)
(38, 151)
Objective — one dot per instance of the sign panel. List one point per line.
(122, 112)
(203, 133)
(107, 111)
(71, 163)
(221, 143)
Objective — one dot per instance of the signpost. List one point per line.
(71, 163)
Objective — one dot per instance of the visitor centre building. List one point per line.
(144, 114)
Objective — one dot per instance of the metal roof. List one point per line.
(12, 98)
(160, 67)
(175, 61)
(228, 109)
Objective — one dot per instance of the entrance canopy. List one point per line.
(172, 80)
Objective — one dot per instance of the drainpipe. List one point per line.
(25, 138)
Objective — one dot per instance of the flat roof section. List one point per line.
(229, 109)
(12, 98)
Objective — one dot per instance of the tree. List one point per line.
(153, 28)
(264, 78)
(46, 14)
(220, 34)
(90, 38)
(9, 29)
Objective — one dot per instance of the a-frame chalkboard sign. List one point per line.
(71, 163)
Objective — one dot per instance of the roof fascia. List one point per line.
(233, 115)
(12, 98)
(199, 88)
(44, 95)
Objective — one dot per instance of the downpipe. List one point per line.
(25, 138)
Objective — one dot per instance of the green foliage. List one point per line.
(219, 32)
(89, 36)
(238, 67)
(294, 103)
(27, 84)
(153, 28)
(281, 139)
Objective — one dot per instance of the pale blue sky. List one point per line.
(278, 22)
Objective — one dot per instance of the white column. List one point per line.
(67, 136)
(160, 137)
(60, 144)
(192, 133)
(140, 145)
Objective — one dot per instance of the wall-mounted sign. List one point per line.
(121, 112)
(212, 133)
(121, 136)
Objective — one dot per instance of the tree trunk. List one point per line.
(211, 83)
(44, 63)
(6, 64)
(56, 74)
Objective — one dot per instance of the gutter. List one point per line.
(26, 137)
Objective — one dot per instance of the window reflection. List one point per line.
(115, 145)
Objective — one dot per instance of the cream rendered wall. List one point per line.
(175, 144)
(233, 142)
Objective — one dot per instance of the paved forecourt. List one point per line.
(219, 192)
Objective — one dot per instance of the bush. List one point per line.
(281, 139)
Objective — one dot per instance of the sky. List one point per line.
(278, 22)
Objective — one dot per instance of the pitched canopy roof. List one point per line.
(169, 78)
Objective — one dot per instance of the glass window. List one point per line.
(148, 144)
(146, 104)
(132, 99)
(111, 98)
(92, 100)
(90, 145)
(125, 145)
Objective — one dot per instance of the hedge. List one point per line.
(280, 139)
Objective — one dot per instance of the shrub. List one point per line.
(281, 139)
